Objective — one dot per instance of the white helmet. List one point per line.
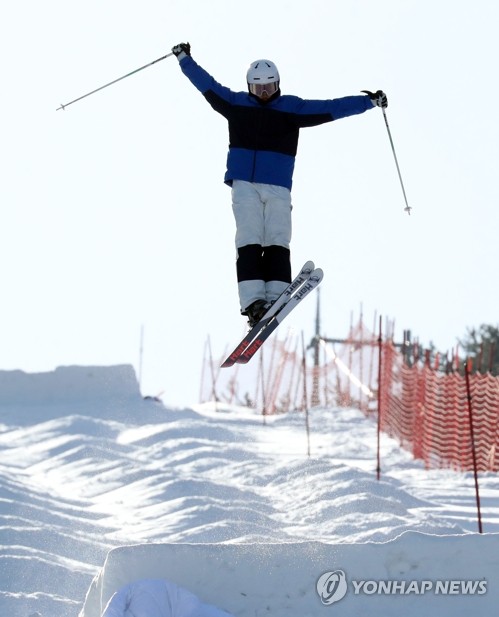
(263, 73)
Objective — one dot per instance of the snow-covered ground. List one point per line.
(87, 466)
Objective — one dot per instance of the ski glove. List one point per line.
(182, 50)
(378, 98)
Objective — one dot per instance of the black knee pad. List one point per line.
(277, 264)
(250, 263)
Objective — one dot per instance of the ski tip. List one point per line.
(317, 274)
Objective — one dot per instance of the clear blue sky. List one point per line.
(115, 216)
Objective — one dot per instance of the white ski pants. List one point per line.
(263, 234)
(262, 213)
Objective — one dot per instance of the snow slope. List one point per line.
(87, 466)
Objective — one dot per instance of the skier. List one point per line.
(263, 138)
(158, 598)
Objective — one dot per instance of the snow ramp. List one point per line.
(415, 574)
(99, 391)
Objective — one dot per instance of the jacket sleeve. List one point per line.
(219, 97)
(312, 112)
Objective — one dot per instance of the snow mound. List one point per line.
(28, 397)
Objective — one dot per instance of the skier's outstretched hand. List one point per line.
(378, 98)
(181, 50)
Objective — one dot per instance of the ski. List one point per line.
(277, 306)
(310, 284)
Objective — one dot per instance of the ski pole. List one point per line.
(407, 208)
(115, 81)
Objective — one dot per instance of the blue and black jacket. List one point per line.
(263, 137)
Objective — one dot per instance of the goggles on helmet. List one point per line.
(260, 89)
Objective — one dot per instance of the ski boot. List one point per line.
(255, 311)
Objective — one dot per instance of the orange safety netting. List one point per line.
(425, 409)
(428, 412)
